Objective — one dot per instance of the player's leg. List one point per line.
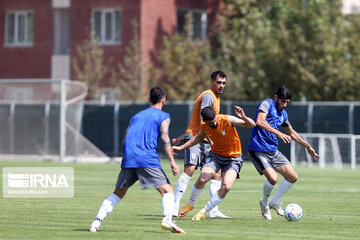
(181, 186)
(228, 180)
(282, 166)
(126, 178)
(156, 178)
(230, 173)
(290, 177)
(192, 160)
(167, 194)
(198, 188)
(262, 163)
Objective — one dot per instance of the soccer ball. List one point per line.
(293, 212)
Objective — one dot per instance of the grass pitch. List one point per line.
(329, 198)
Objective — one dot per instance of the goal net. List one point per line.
(41, 119)
(335, 150)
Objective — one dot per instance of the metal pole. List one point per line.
(62, 150)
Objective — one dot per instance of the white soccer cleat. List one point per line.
(265, 211)
(171, 226)
(217, 214)
(95, 226)
(175, 212)
(277, 208)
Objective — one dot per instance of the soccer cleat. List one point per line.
(199, 216)
(95, 225)
(217, 214)
(185, 210)
(171, 226)
(277, 208)
(265, 211)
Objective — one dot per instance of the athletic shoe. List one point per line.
(265, 211)
(217, 214)
(171, 226)
(277, 208)
(199, 216)
(185, 210)
(95, 225)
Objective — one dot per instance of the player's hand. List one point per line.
(176, 149)
(177, 141)
(175, 168)
(286, 138)
(239, 112)
(312, 153)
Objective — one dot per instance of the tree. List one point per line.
(186, 65)
(307, 45)
(89, 65)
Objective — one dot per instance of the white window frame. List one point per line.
(17, 43)
(203, 21)
(103, 12)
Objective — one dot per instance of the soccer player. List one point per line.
(263, 149)
(195, 155)
(225, 155)
(141, 161)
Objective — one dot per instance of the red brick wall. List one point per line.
(80, 24)
(28, 62)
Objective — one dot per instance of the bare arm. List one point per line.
(164, 131)
(262, 123)
(243, 120)
(297, 138)
(195, 140)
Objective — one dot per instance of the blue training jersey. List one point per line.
(262, 140)
(141, 142)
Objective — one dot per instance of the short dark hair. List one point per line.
(208, 113)
(283, 93)
(156, 94)
(217, 73)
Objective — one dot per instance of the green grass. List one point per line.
(330, 200)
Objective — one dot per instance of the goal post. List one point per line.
(41, 119)
(335, 150)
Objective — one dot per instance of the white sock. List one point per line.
(168, 206)
(267, 190)
(214, 186)
(195, 193)
(214, 201)
(284, 187)
(181, 186)
(107, 206)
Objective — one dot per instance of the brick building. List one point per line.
(38, 38)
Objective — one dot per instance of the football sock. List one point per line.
(214, 201)
(181, 186)
(195, 193)
(267, 190)
(107, 206)
(214, 186)
(284, 187)
(168, 206)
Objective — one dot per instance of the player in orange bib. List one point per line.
(225, 155)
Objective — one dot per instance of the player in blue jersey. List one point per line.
(141, 161)
(263, 149)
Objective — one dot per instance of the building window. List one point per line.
(192, 23)
(107, 25)
(19, 28)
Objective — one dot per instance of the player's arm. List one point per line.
(164, 132)
(262, 123)
(243, 120)
(179, 140)
(297, 138)
(193, 141)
